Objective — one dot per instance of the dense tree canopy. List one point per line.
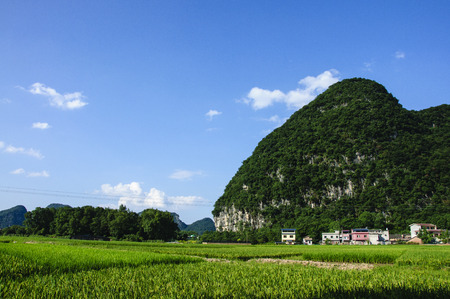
(158, 225)
(87, 221)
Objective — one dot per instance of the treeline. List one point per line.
(90, 222)
(253, 236)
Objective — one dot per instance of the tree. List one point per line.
(425, 236)
(445, 236)
(39, 221)
(123, 223)
(158, 225)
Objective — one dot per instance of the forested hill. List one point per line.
(13, 216)
(353, 157)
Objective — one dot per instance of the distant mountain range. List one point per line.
(16, 216)
(199, 226)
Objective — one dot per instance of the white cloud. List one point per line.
(21, 171)
(181, 174)
(132, 189)
(41, 126)
(368, 66)
(311, 86)
(211, 113)
(400, 55)
(20, 150)
(262, 98)
(5, 101)
(18, 171)
(276, 120)
(131, 196)
(2, 144)
(155, 198)
(68, 101)
(43, 174)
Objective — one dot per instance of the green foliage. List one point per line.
(425, 236)
(158, 225)
(201, 226)
(445, 236)
(98, 223)
(55, 268)
(13, 216)
(353, 157)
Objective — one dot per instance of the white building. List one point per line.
(307, 240)
(288, 235)
(334, 238)
(416, 227)
(378, 236)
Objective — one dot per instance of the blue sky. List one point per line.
(157, 103)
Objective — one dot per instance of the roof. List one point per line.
(422, 224)
(360, 230)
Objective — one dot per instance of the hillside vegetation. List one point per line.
(353, 157)
(13, 216)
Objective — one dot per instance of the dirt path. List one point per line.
(328, 265)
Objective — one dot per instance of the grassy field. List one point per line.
(37, 267)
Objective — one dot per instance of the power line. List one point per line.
(68, 194)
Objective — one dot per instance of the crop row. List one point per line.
(234, 280)
(433, 256)
(47, 258)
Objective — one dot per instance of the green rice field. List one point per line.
(37, 267)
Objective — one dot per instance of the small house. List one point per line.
(331, 238)
(346, 236)
(288, 235)
(360, 236)
(307, 240)
(379, 237)
(431, 228)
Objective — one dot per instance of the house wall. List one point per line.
(333, 237)
(416, 227)
(288, 236)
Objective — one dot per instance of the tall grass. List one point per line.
(232, 280)
(51, 258)
(55, 268)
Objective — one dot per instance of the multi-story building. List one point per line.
(416, 227)
(378, 236)
(288, 235)
(360, 236)
(346, 236)
(333, 238)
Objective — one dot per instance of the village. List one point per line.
(364, 236)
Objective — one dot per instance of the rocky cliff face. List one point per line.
(353, 156)
(232, 219)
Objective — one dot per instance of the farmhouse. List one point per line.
(307, 240)
(360, 236)
(357, 236)
(416, 227)
(378, 237)
(331, 238)
(346, 236)
(288, 235)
